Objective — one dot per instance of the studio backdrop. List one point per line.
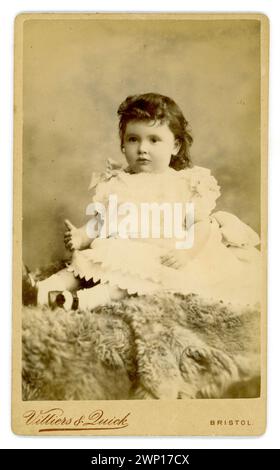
(77, 72)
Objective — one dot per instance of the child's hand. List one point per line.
(174, 259)
(72, 237)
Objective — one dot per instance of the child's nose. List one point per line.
(143, 147)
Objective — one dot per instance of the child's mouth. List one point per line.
(143, 160)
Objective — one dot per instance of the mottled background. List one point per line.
(76, 73)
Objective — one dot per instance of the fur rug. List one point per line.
(161, 347)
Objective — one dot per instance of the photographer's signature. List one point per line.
(55, 419)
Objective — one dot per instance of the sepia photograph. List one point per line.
(140, 223)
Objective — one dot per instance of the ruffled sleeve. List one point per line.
(203, 191)
(102, 184)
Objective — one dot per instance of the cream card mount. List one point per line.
(126, 323)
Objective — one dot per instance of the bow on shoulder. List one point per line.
(112, 169)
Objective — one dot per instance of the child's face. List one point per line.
(148, 146)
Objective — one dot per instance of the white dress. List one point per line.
(227, 267)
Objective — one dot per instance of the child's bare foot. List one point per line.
(74, 238)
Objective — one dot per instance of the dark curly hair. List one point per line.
(156, 107)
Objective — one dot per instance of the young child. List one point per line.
(222, 263)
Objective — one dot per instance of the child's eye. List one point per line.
(132, 139)
(154, 139)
